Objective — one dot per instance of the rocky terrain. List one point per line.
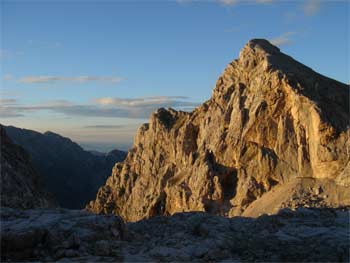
(304, 235)
(274, 132)
(21, 185)
(49, 235)
(70, 173)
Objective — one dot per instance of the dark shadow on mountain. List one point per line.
(70, 173)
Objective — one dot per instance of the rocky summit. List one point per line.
(274, 134)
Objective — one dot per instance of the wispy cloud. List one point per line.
(78, 79)
(264, 1)
(233, 2)
(183, 1)
(5, 53)
(10, 92)
(104, 126)
(142, 101)
(8, 108)
(284, 39)
(311, 7)
(43, 44)
(8, 101)
(228, 2)
(225, 2)
(139, 108)
(142, 107)
(6, 112)
(7, 77)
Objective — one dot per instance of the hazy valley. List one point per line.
(70, 173)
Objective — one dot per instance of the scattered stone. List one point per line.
(41, 234)
(102, 248)
(315, 235)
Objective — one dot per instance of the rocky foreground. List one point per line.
(317, 235)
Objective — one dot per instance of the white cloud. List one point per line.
(283, 39)
(311, 7)
(139, 108)
(141, 101)
(78, 79)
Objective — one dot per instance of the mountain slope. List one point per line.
(20, 183)
(70, 173)
(270, 120)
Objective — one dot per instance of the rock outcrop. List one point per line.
(304, 235)
(270, 120)
(21, 185)
(70, 173)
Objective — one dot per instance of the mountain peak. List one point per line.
(261, 54)
(263, 45)
(270, 120)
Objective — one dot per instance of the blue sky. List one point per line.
(95, 70)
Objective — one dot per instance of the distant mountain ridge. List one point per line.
(117, 153)
(70, 173)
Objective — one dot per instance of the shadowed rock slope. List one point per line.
(71, 174)
(270, 121)
(21, 186)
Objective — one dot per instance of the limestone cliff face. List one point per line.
(20, 183)
(270, 120)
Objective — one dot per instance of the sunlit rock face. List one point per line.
(270, 121)
(21, 185)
